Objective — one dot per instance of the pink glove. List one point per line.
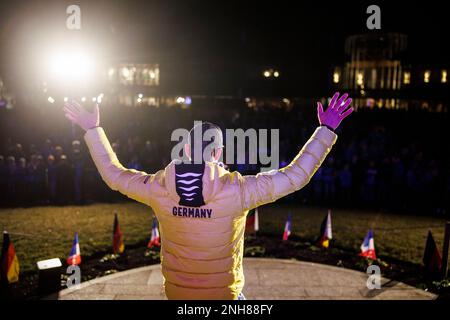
(336, 111)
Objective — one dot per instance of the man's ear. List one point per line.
(187, 150)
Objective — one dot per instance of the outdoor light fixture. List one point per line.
(336, 77)
(426, 76)
(180, 100)
(271, 73)
(406, 78)
(100, 98)
(49, 275)
(444, 76)
(360, 79)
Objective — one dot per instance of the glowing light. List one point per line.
(336, 77)
(66, 99)
(180, 100)
(360, 79)
(71, 65)
(426, 76)
(139, 100)
(94, 99)
(83, 99)
(188, 100)
(126, 72)
(407, 77)
(444, 76)
(152, 75)
(51, 100)
(276, 74)
(140, 95)
(266, 73)
(111, 72)
(100, 97)
(247, 99)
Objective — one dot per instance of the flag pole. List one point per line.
(445, 250)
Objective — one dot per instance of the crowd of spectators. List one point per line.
(380, 160)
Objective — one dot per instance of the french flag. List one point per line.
(368, 247)
(75, 255)
(154, 239)
(287, 228)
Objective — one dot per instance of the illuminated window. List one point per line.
(360, 79)
(126, 75)
(407, 77)
(444, 76)
(336, 77)
(426, 76)
(139, 74)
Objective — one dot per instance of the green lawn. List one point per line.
(46, 232)
(400, 237)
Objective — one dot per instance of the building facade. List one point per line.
(379, 73)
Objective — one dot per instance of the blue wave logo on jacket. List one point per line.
(189, 184)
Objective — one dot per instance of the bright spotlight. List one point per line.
(266, 73)
(71, 65)
(276, 74)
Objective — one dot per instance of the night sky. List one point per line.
(304, 39)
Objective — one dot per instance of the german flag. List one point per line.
(118, 245)
(325, 232)
(432, 260)
(9, 264)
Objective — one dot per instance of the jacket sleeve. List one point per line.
(269, 186)
(130, 182)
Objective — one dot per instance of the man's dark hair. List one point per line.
(199, 130)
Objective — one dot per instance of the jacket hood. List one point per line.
(212, 179)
